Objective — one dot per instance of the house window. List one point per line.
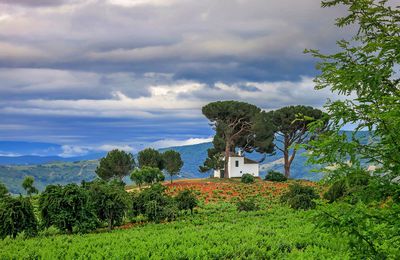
(237, 163)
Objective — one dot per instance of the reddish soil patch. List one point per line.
(211, 190)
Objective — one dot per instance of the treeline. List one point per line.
(103, 202)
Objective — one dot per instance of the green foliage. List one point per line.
(16, 216)
(186, 200)
(248, 204)
(45, 174)
(153, 203)
(3, 191)
(366, 67)
(27, 184)
(276, 233)
(235, 125)
(300, 197)
(373, 232)
(137, 177)
(337, 190)
(110, 202)
(67, 207)
(275, 176)
(147, 175)
(247, 178)
(292, 124)
(173, 162)
(214, 160)
(150, 158)
(117, 164)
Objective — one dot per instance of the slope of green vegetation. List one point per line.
(45, 174)
(217, 231)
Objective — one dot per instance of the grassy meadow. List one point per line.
(216, 230)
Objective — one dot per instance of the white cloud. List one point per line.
(165, 143)
(132, 3)
(73, 150)
(178, 100)
(109, 147)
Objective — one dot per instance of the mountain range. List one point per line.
(59, 170)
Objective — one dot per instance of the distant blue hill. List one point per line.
(33, 159)
(29, 148)
(58, 170)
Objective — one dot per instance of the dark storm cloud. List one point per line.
(34, 2)
(77, 70)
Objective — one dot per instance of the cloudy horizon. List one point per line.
(98, 74)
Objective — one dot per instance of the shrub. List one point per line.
(247, 178)
(110, 201)
(67, 207)
(247, 204)
(3, 191)
(336, 191)
(300, 197)
(147, 175)
(275, 176)
(16, 216)
(186, 200)
(153, 203)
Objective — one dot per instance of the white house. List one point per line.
(239, 165)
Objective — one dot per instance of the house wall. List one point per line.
(242, 168)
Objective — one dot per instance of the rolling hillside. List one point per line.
(76, 171)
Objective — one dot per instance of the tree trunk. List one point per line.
(286, 163)
(171, 179)
(69, 229)
(110, 223)
(286, 156)
(227, 153)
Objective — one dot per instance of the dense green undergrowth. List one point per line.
(217, 231)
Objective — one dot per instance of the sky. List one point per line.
(93, 75)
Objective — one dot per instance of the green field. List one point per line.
(216, 231)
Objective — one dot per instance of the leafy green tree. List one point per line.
(3, 191)
(117, 164)
(147, 175)
(186, 200)
(234, 123)
(154, 203)
(173, 162)
(67, 207)
(137, 177)
(150, 158)
(292, 125)
(27, 184)
(365, 72)
(215, 158)
(16, 216)
(110, 202)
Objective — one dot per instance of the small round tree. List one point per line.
(186, 200)
(16, 216)
(151, 174)
(116, 165)
(27, 184)
(137, 177)
(150, 158)
(3, 191)
(67, 207)
(173, 162)
(110, 201)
